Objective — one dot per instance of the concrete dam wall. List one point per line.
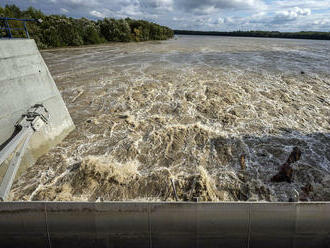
(133, 224)
(24, 82)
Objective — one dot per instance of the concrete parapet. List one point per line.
(140, 224)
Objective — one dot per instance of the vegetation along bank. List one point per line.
(61, 31)
(266, 34)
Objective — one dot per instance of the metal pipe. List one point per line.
(33, 120)
(26, 31)
(14, 164)
(16, 19)
(12, 144)
(8, 28)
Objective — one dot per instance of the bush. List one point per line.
(270, 34)
(60, 31)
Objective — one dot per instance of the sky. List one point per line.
(215, 15)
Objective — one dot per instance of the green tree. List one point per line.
(58, 31)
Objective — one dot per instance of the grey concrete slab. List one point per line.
(313, 219)
(71, 217)
(72, 223)
(223, 225)
(17, 49)
(26, 65)
(25, 81)
(312, 225)
(173, 224)
(23, 225)
(121, 224)
(137, 224)
(307, 241)
(272, 223)
(98, 225)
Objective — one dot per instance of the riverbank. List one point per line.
(61, 31)
(264, 34)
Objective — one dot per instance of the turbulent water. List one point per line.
(192, 118)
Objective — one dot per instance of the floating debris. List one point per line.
(77, 96)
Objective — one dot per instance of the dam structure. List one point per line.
(25, 83)
(163, 224)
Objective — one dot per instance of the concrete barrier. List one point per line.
(25, 81)
(138, 224)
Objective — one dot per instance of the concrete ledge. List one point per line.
(25, 81)
(143, 224)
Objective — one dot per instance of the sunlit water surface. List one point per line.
(214, 116)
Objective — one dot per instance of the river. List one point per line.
(214, 117)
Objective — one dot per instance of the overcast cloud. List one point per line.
(282, 15)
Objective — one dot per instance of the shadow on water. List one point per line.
(261, 158)
(198, 165)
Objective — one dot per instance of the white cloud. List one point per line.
(219, 15)
(290, 15)
(205, 10)
(63, 10)
(80, 4)
(97, 14)
(84, 2)
(158, 5)
(322, 22)
(130, 10)
(196, 5)
(312, 4)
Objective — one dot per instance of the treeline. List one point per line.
(268, 34)
(61, 31)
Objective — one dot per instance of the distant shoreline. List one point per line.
(262, 34)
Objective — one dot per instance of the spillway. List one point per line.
(26, 81)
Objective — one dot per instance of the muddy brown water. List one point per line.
(213, 117)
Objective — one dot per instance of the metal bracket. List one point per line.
(35, 118)
(6, 27)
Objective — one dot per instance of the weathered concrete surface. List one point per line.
(138, 224)
(25, 81)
